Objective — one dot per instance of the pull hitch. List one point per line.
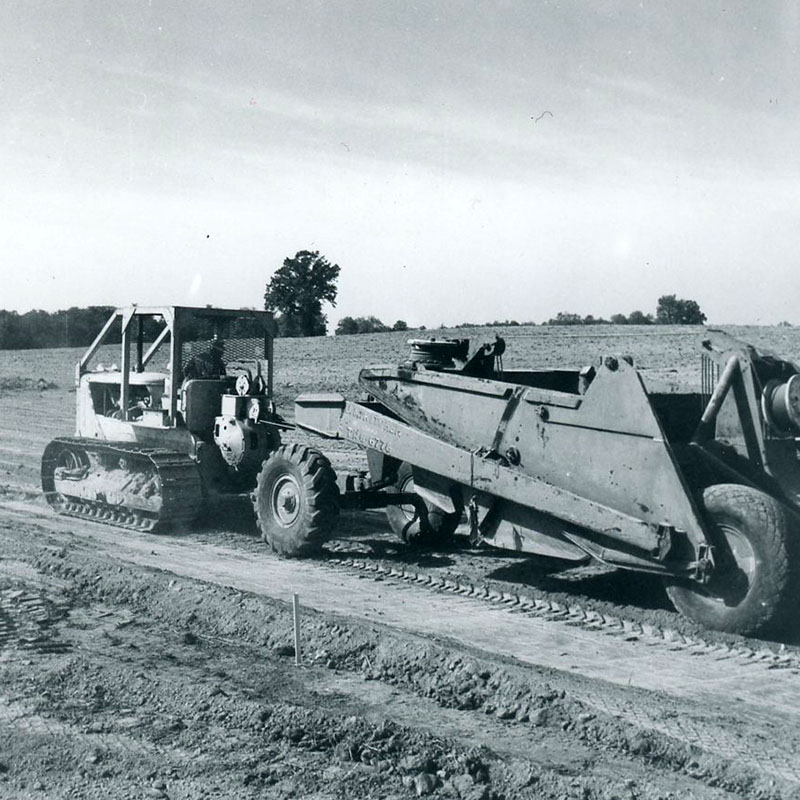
(474, 527)
(703, 568)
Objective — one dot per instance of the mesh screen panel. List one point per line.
(247, 349)
(241, 338)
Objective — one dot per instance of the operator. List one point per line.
(208, 364)
(139, 401)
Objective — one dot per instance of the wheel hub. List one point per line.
(285, 500)
(409, 511)
(735, 566)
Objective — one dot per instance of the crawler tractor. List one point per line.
(701, 488)
(185, 416)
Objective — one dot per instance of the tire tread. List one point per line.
(317, 480)
(770, 602)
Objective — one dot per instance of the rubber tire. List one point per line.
(312, 484)
(768, 603)
(440, 526)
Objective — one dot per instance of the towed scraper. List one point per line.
(701, 488)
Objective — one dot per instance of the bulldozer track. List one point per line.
(576, 614)
(539, 605)
(25, 620)
(181, 491)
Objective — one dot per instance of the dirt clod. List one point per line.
(506, 712)
(424, 783)
(463, 784)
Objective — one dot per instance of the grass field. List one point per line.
(332, 363)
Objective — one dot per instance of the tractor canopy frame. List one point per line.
(182, 326)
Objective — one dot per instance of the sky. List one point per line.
(460, 161)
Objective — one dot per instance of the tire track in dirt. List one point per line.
(22, 718)
(7, 628)
(26, 621)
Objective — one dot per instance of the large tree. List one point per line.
(297, 291)
(672, 310)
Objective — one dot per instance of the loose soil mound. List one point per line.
(16, 383)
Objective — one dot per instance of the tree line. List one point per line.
(350, 325)
(71, 327)
(297, 290)
(671, 310)
(295, 294)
